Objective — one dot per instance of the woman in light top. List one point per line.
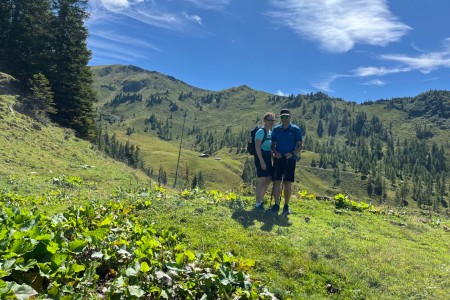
(263, 158)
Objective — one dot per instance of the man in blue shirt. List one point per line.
(287, 142)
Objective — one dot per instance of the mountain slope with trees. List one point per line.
(78, 223)
(390, 151)
(43, 43)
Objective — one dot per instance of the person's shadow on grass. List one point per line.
(248, 217)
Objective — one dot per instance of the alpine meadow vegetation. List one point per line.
(123, 183)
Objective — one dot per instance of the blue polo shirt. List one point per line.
(267, 145)
(286, 139)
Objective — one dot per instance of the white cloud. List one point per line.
(376, 82)
(194, 18)
(425, 63)
(340, 24)
(432, 78)
(280, 93)
(325, 85)
(107, 48)
(377, 71)
(210, 4)
(144, 11)
(121, 39)
(116, 4)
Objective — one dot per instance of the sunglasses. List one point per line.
(269, 120)
(284, 117)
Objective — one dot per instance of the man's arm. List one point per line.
(298, 147)
(274, 144)
(299, 143)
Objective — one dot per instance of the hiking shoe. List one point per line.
(275, 208)
(260, 206)
(286, 210)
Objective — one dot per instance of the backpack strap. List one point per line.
(265, 135)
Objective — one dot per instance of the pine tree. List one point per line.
(200, 180)
(72, 79)
(320, 129)
(40, 103)
(25, 37)
(5, 28)
(194, 182)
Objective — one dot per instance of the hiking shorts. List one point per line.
(267, 156)
(284, 169)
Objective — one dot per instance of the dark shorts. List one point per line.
(267, 156)
(284, 168)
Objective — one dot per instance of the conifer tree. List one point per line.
(320, 129)
(25, 37)
(5, 28)
(72, 79)
(40, 102)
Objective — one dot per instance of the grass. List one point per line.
(320, 253)
(33, 154)
(317, 252)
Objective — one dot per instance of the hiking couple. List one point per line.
(281, 143)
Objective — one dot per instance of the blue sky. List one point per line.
(357, 50)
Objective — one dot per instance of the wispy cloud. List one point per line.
(425, 62)
(432, 78)
(102, 47)
(376, 82)
(194, 18)
(144, 11)
(340, 24)
(280, 93)
(377, 71)
(325, 84)
(121, 39)
(210, 4)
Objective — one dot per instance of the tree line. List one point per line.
(43, 44)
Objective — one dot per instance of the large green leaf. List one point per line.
(21, 291)
(135, 291)
(98, 234)
(6, 267)
(59, 258)
(52, 247)
(133, 270)
(106, 221)
(77, 246)
(144, 267)
(76, 268)
(22, 246)
(25, 267)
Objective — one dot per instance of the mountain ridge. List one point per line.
(373, 133)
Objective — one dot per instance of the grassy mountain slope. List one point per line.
(32, 150)
(240, 108)
(321, 251)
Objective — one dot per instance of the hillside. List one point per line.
(36, 155)
(358, 146)
(78, 223)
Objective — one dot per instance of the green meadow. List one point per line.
(76, 224)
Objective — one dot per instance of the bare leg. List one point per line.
(259, 193)
(276, 191)
(287, 192)
(266, 185)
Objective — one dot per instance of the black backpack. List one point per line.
(251, 149)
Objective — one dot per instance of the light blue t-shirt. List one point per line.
(267, 145)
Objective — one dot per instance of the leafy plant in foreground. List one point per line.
(96, 250)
